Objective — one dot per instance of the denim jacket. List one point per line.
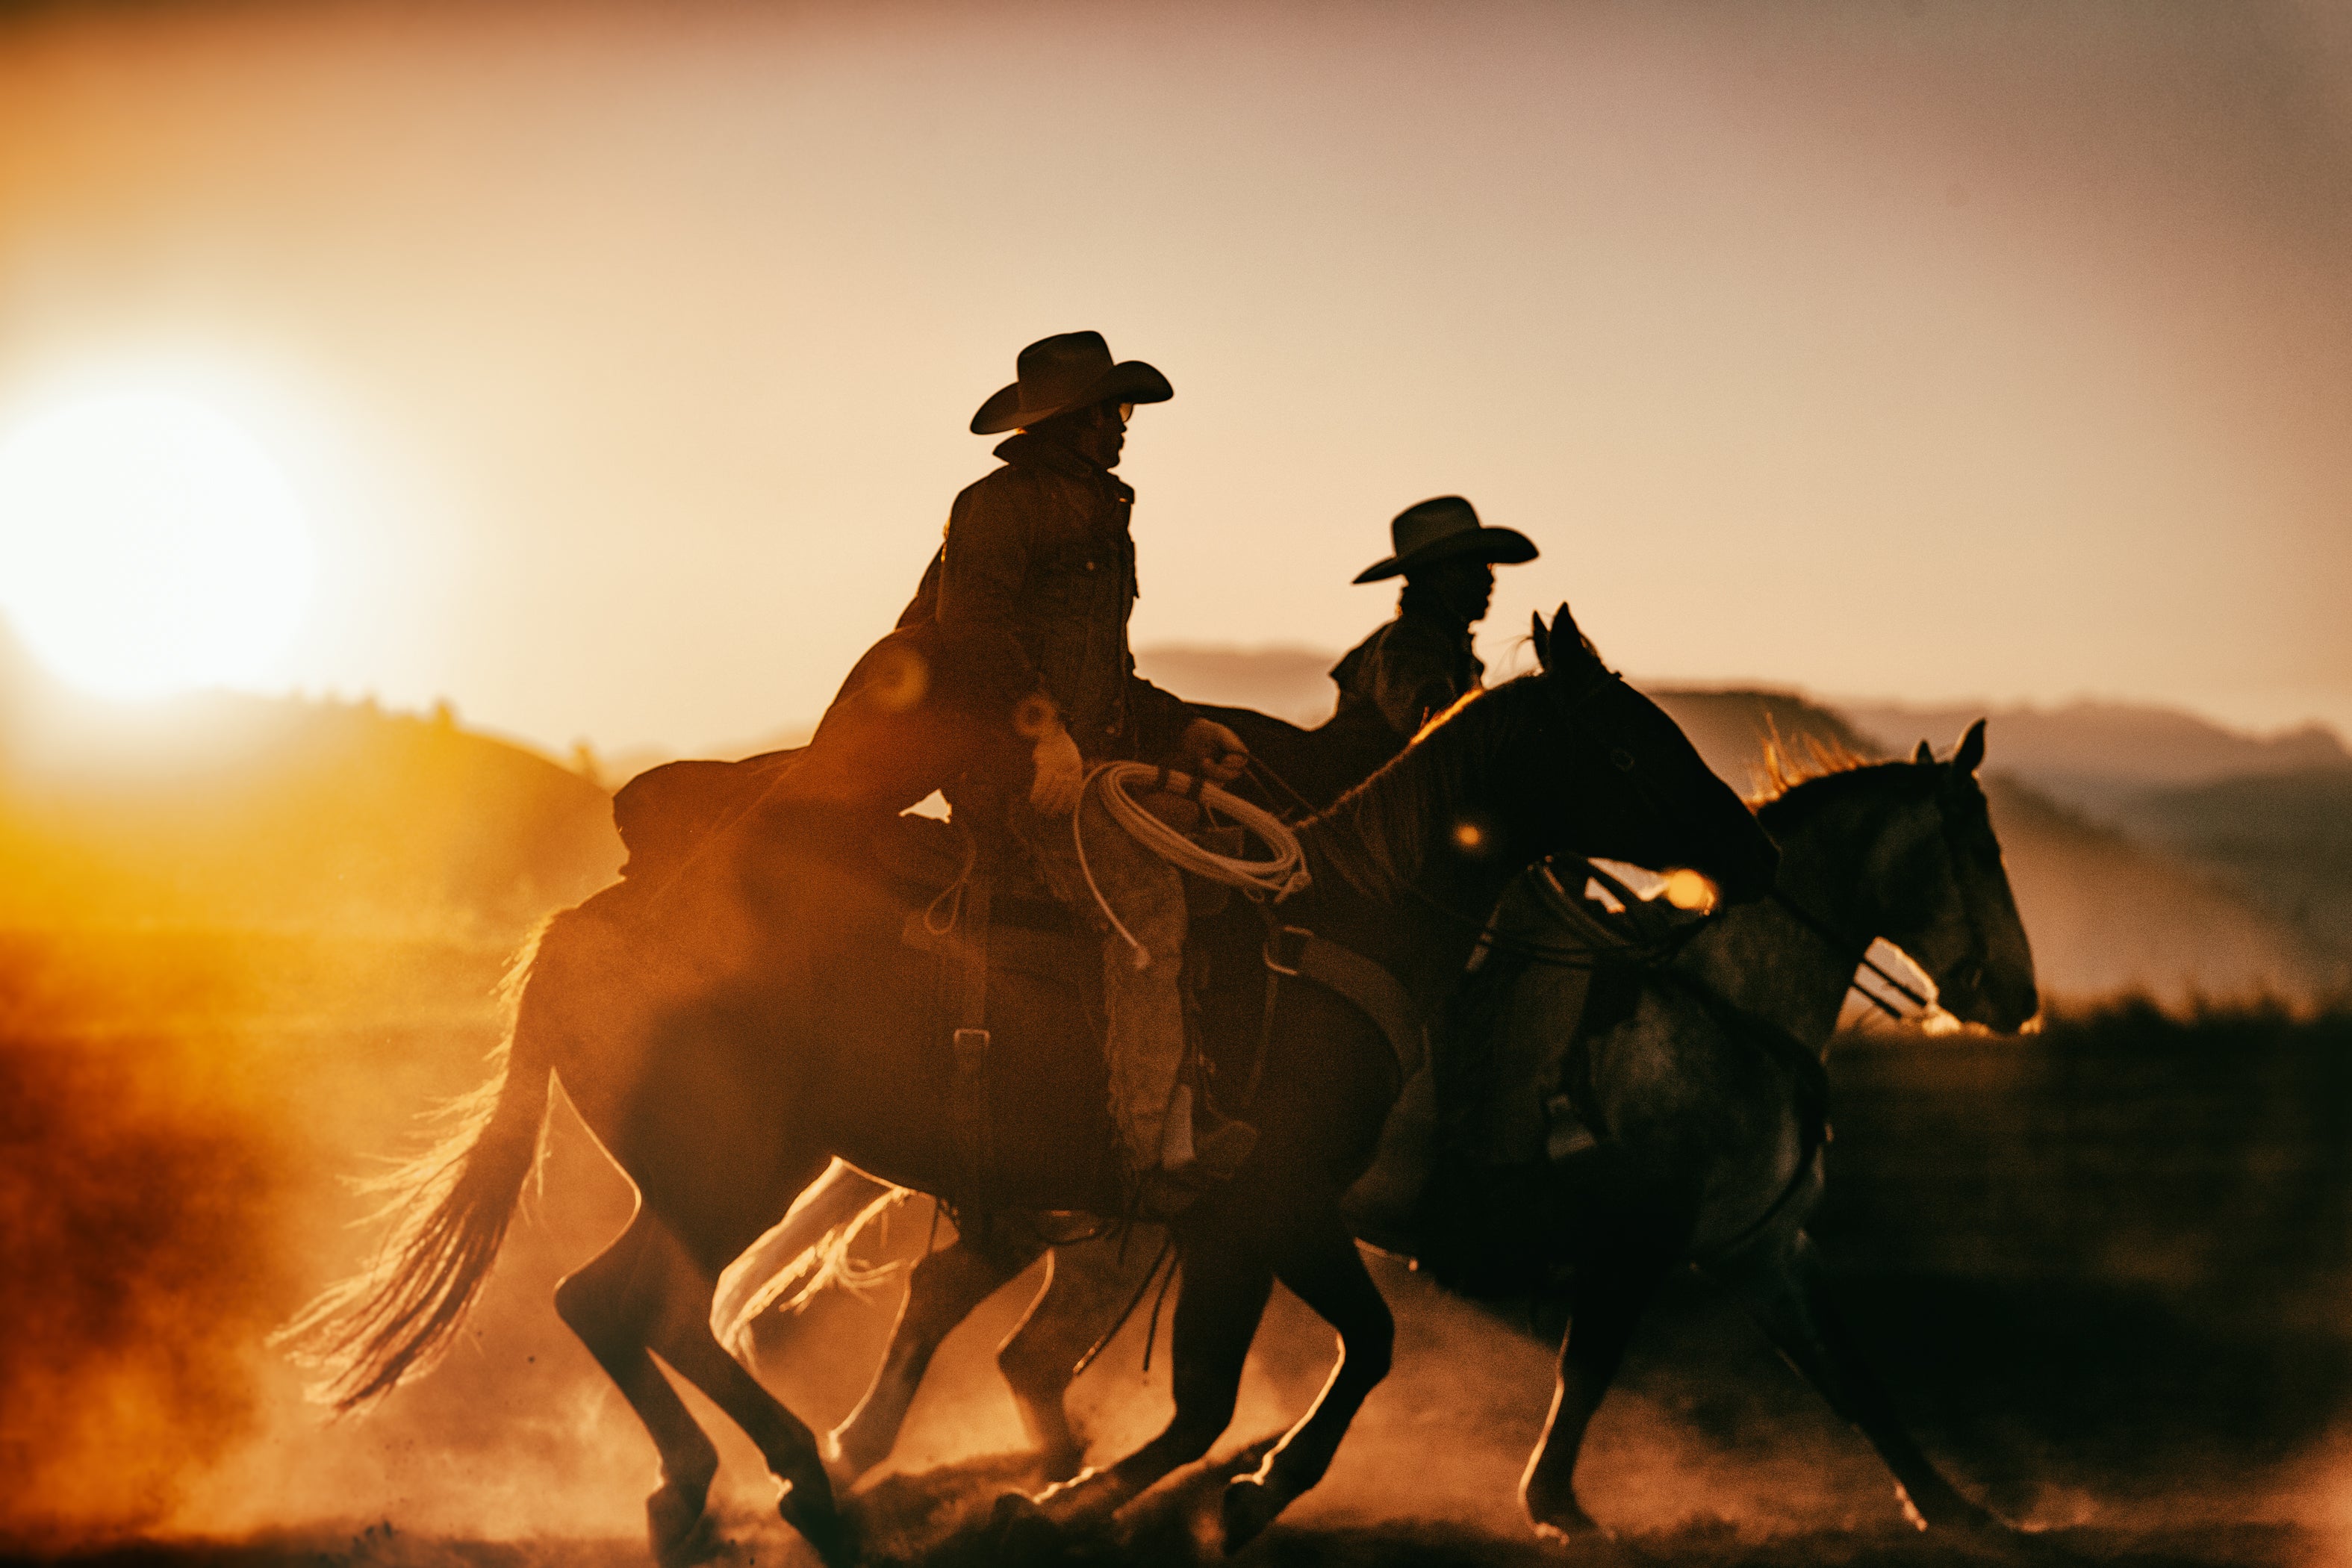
(1414, 666)
(1032, 589)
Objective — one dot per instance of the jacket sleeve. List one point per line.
(983, 566)
(1159, 716)
(1414, 676)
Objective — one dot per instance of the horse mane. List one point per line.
(1833, 774)
(1374, 836)
(1782, 770)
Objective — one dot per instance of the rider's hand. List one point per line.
(1212, 751)
(1060, 774)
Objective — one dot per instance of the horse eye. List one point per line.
(1620, 759)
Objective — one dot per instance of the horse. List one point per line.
(1693, 1136)
(726, 1040)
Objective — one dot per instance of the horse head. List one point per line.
(1669, 810)
(1953, 912)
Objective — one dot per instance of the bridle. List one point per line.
(1846, 941)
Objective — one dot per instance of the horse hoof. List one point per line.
(1566, 1524)
(811, 1510)
(1060, 1464)
(845, 1457)
(1086, 1499)
(679, 1529)
(1020, 1531)
(1249, 1506)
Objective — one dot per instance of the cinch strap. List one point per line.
(968, 1089)
(1359, 982)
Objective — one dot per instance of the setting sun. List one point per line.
(148, 545)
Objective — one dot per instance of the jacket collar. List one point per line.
(1423, 605)
(1030, 450)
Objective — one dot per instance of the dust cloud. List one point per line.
(2102, 1270)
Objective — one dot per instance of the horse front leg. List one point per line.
(1325, 1271)
(1222, 1296)
(1085, 1284)
(944, 1289)
(1790, 1299)
(1634, 1230)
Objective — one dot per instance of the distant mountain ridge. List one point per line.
(2189, 869)
(235, 811)
(2106, 749)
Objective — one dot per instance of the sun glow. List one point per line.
(148, 545)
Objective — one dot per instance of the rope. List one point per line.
(1278, 877)
(1108, 1334)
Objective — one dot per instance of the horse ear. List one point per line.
(1925, 754)
(1972, 752)
(1541, 633)
(1563, 625)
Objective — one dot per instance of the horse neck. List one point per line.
(1772, 961)
(1388, 878)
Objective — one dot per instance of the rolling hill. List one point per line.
(220, 811)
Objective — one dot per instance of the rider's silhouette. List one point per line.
(1008, 676)
(1420, 663)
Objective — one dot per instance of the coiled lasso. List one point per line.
(1278, 877)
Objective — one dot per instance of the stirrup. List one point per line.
(1218, 1153)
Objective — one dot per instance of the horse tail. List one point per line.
(448, 1208)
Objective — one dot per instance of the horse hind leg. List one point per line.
(1086, 1285)
(648, 1293)
(605, 1303)
(1790, 1299)
(944, 1289)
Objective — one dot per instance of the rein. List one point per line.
(1257, 764)
(1606, 954)
(1844, 942)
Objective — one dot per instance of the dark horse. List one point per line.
(1694, 1135)
(726, 1040)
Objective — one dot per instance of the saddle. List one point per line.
(978, 911)
(1507, 1087)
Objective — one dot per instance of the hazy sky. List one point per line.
(624, 353)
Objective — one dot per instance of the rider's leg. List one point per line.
(1145, 1042)
(944, 1289)
(1322, 1267)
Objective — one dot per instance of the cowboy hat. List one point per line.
(1067, 371)
(1439, 528)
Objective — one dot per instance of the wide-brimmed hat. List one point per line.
(1067, 371)
(1439, 528)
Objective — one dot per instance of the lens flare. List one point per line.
(1688, 890)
